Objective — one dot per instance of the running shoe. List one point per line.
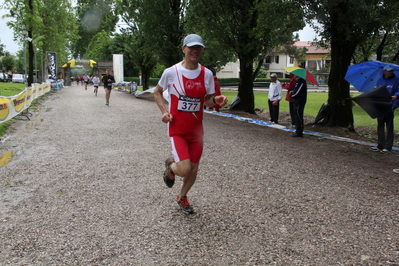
(374, 148)
(107, 103)
(168, 175)
(385, 151)
(184, 205)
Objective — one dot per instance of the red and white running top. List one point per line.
(187, 89)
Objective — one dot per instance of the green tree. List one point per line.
(388, 50)
(122, 44)
(366, 50)
(58, 28)
(26, 20)
(158, 70)
(157, 28)
(93, 16)
(97, 48)
(43, 25)
(383, 43)
(343, 32)
(213, 57)
(2, 49)
(160, 23)
(154, 33)
(145, 59)
(19, 62)
(8, 62)
(249, 28)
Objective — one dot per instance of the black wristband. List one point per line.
(214, 100)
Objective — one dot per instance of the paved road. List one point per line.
(85, 188)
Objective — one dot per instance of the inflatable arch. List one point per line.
(73, 62)
(98, 68)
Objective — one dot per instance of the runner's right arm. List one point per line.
(158, 95)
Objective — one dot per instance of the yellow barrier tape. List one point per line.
(5, 158)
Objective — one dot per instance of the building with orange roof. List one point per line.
(317, 60)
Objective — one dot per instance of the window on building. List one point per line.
(312, 65)
(268, 59)
(292, 60)
(277, 59)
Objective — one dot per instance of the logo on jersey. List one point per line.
(190, 84)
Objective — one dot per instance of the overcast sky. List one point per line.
(7, 36)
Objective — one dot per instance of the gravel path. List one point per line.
(85, 188)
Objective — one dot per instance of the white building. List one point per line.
(231, 70)
(316, 59)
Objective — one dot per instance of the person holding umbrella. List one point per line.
(385, 138)
(299, 97)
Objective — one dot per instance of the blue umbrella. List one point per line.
(364, 76)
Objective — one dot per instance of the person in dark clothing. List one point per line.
(299, 97)
(108, 79)
(386, 138)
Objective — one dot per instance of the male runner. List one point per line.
(86, 80)
(108, 79)
(190, 87)
(96, 83)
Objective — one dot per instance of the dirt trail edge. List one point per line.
(85, 188)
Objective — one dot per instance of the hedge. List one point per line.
(260, 82)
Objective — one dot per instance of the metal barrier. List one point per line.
(125, 86)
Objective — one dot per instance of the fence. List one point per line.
(12, 106)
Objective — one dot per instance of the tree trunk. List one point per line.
(245, 88)
(381, 47)
(31, 53)
(145, 75)
(395, 57)
(257, 69)
(338, 94)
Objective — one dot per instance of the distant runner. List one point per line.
(96, 83)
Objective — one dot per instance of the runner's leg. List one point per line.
(189, 180)
(107, 94)
(188, 148)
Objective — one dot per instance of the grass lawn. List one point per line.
(314, 102)
(10, 89)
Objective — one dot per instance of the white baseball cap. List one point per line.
(388, 68)
(192, 40)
